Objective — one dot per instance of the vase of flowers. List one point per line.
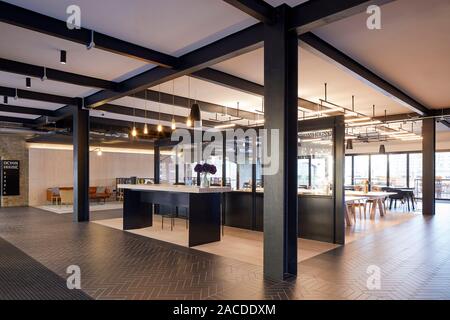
(204, 170)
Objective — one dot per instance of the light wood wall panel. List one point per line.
(54, 168)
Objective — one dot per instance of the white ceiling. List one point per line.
(411, 50)
(313, 73)
(177, 27)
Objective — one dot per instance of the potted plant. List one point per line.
(204, 170)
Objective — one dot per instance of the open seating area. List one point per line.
(64, 195)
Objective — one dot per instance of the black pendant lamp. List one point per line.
(382, 149)
(194, 115)
(349, 144)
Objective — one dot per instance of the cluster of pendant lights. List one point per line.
(194, 114)
(62, 60)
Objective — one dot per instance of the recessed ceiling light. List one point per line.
(63, 57)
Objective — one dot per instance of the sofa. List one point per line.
(95, 193)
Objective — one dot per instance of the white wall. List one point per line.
(54, 168)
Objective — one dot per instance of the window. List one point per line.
(397, 170)
(443, 175)
(361, 168)
(348, 170)
(415, 173)
(378, 170)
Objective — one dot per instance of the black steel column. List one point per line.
(339, 180)
(156, 162)
(80, 164)
(280, 189)
(428, 163)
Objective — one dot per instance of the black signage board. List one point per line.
(10, 173)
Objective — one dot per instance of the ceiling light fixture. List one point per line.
(173, 125)
(349, 144)
(16, 96)
(195, 114)
(145, 114)
(44, 76)
(5, 99)
(134, 131)
(28, 82)
(224, 126)
(358, 119)
(92, 43)
(63, 57)
(99, 152)
(159, 128)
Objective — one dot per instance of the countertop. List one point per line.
(173, 188)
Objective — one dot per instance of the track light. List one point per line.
(5, 99)
(28, 82)
(92, 43)
(63, 57)
(145, 129)
(44, 76)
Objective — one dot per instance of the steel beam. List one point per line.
(31, 20)
(317, 13)
(258, 9)
(32, 95)
(313, 43)
(53, 74)
(233, 45)
(26, 110)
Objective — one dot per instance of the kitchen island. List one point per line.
(203, 206)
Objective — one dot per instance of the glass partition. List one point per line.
(443, 175)
(316, 152)
(167, 165)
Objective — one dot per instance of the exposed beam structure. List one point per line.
(317, 13)
(233, 82)
(31, 20)
(32, 95)
(153, 115)
(233, 45)
(258, 9)
(16, 120)
(53, 74)
(26, 110)
(313, 43)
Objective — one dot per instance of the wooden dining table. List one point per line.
(350, 213)
(377, 197)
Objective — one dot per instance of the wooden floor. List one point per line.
(413, 258)
(247, 246)
(239, 244)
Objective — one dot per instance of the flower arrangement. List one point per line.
(205, 169)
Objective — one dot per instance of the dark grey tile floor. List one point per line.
(413, 258)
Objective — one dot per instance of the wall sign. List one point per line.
(10, 173)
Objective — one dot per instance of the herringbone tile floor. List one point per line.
(413, 258)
